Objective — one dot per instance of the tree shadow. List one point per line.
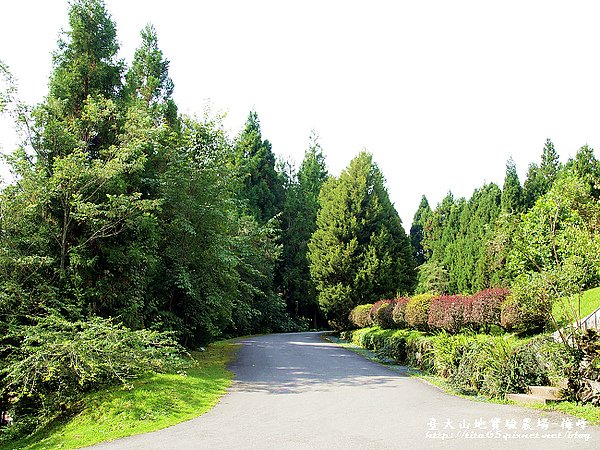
(294, 363)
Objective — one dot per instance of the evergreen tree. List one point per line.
(148, 79)
(85, 63)
(359, 252)
(540, 178)
(587, 167)
(262, 186)
(300, 215)
(416, 231)
(511, 200)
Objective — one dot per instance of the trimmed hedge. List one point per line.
(447, 313)
(472, 364)
(417, 312)
(450, 313)
(381, 314)
(360, 316)
(398, 313)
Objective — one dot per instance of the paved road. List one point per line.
(297, 391)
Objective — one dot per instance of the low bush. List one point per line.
(528, 309)
(447, 313)
(49, 366)
(484, 308)
(360, 316)
(417, 311)
(382, 314)
(398, 312)
(472, 363)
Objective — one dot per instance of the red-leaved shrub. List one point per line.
(447, 313)
(484, 308)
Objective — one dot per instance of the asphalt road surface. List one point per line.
(298, 391)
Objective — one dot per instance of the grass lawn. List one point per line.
(154, 402)
(590, 301)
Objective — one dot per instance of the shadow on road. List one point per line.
(300, 362)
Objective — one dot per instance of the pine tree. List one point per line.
(148, 79)
(511, 191)
(85, 63)
(416, 231)
(359, 252)
(262, 186)
(540, 178)
(300, 215)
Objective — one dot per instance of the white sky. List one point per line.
(441, 92)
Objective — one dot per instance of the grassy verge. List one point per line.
(589, 413)
(153, 402)
(590, 301)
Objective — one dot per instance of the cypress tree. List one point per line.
(416, 231)
(511, 199)
(359, 252)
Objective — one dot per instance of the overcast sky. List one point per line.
(441, 92)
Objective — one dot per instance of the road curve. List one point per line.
(298, 391)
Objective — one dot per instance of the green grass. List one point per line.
(154, 402)
(590, 301)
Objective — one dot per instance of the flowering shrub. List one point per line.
(398, 312)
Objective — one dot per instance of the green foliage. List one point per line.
(420, 221)
(540, 178)
(382, 314)
(49, 365)
(360, 316)
(511, 200)
(529, 307)
(584, 375)
(359, 251)
(432, 277)
(473, 364)
(455, 238)
(398, 314)
(254, 161)
(150, 403)
(416, 313)
(299, 223)
(85, 63)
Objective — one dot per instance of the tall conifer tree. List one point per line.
(359, 252)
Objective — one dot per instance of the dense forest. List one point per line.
(541, 238)
(125, 215)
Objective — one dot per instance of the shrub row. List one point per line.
(472, 364)
(449, 313)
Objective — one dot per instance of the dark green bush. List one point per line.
(382, 314)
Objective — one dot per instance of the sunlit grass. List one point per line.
(590, 301)
(154, 402)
